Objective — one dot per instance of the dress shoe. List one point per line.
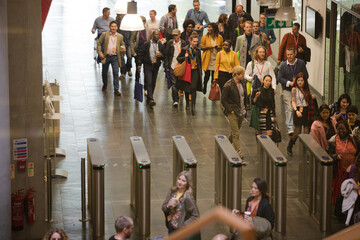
(122, 77)
(152, 103)
(175, 104)
(117, 93)
(104, 87)
(130, 73)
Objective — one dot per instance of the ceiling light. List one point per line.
(132, 21)
(285, 14)
(120, 7)
(267, 2)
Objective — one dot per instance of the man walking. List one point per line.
(173, 48)
(168, 22)
(199, 17)
(235, 101)
(151, 55)
(287, 73)
(101, 24)
(108, 47)
(137, 40)
(235, 17)
(124, 227)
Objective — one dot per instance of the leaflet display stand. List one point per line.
(48, 90)
(50, 116)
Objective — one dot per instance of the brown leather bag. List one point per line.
(214, 94)
(179, 69)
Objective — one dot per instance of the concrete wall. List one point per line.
(26, 121)
(5, 208)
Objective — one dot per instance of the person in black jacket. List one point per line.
(172, 50)
(192, 54)
(234, 19)
(151, 55)
(235, 101)
(258, 205)
(124, 227)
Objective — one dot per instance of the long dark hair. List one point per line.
(343, 96)
(215, 29)
(306, 89)
(321, 108)
(262, 186)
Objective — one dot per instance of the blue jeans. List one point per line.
(289, 111)
(113, 60)
(150, 75)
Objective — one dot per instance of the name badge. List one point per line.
(114, 49)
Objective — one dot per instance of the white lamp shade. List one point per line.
(267, 2)
(132, 22)
(120, 7)
(285, 14)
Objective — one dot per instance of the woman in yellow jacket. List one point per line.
(226, 60)
(211, 44)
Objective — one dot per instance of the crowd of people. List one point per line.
(233, 54)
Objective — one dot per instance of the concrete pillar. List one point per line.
(25, 88)
(5, 208)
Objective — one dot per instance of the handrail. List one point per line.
(216, 214)
(349, 233)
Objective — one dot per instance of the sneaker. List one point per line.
(130, 73)
(122, 77)
(152, 103)
(175, 104)
(291, 133)
(117, 93)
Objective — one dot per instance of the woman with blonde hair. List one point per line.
(259, 68)
(179, 205)
(55, 233)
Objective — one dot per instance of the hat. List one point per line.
(176, 32)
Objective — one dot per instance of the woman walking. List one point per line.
(210, 44)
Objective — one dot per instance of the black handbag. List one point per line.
(276, 134)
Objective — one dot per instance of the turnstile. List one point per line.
(96, 186)
(228, 174)
(140, 184)
(184, 159)
(315, 180)
(273, 169)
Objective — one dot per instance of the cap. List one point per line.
(176, 32)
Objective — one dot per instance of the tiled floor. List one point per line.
(68, 57)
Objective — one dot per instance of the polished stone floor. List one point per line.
(68, 57)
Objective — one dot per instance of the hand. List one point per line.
(163, 40)
(356, 187)
(300, 50)
(257, 94)
(247, 218)
(235, 212)
(139, 69)
(299, 114)
(291, 84)
(214, 81)
(261, 80)
(158, 54)
(339, 156)
(313, 96)
(186, 55)
(232, 112)
(101, 56)
(278, 62)
(172, 202)
(274, 91)
(93, 31)
(134, 55)
(337, 116)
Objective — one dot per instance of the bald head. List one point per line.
(220, 237)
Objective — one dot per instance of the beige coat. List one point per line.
(241, 47)
(103, 43)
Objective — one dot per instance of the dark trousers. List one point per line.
(174, 88)
(137, 73)
(207, 77)
(223, 77)
(150, 73)
(113, 60)
(126, 65)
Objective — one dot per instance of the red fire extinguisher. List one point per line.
(17, 210)
(29, 204)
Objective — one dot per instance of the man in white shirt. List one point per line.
(152, 24)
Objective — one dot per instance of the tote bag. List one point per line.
(138, 91)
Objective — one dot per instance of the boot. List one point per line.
(193, 110)
(187, 102)
(289, 147)
(205, 87)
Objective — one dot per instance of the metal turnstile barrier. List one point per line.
(184, 159)
(96, 186)
(273, 169)
(228, 174)
(140, 184)
(315, 180)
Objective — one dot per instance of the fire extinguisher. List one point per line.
(17, 210)
(29, 204)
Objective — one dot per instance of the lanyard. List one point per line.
(296, 41)
(197, 17)
(106, 22)
(249, 43)
(173, 19)
(152, 25)
(293, 70)
(177, 45)
(143, 36)
(191, 54)
(261, 68)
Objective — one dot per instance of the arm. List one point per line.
(282, 76)
(207, 21)
(162, 23)
(255, 96)
(248, 72)
(217, 65)
(133, 42)
(224, 99)
(281, 48)
(122, 45)
(142, 53)
(272, 74)
(93, 30)
(181, 57)
(293, 98)
(99, 45)
(164, 207)
(191, 209)
(269, 214)
(272, 36)
(187, 15)
(238, 43)
(167, 57)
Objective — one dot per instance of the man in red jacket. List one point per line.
(292, 40)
